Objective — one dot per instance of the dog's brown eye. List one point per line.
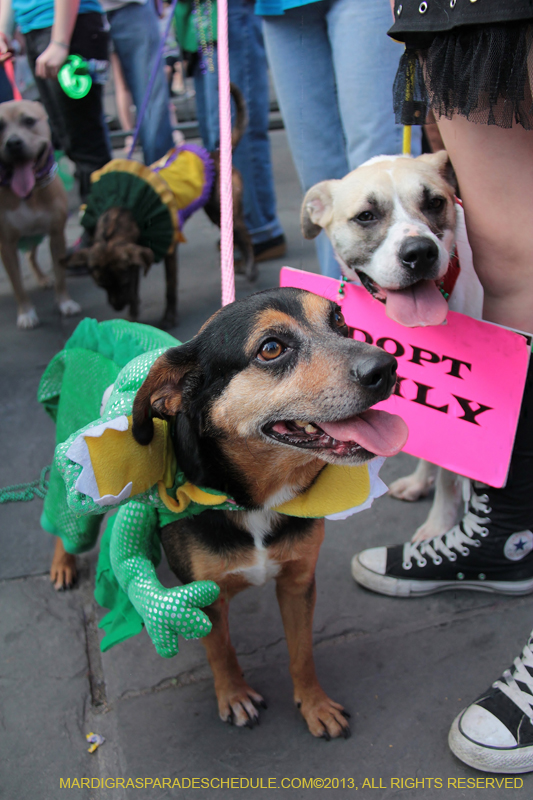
(29, 122)
(270, 350)
(436, 203)
(338, 319)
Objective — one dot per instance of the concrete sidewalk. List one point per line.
(403, 668)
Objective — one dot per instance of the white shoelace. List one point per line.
(524, 700)
(455, 539)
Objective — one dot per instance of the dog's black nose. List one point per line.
(418, 253)
(377, 371)
(14, 145)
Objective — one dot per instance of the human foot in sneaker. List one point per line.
(495, 733)
(490, 550)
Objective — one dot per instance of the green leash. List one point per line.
(22, 492)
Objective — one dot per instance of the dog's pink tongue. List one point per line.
(23, 180)
(378, 432)
(421, 304)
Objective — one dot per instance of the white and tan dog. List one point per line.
(394, 224)
(33, 202)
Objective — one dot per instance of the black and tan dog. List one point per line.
(116, 259)
(270, 391)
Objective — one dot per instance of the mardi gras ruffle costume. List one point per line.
(99, 466)
(160, 197)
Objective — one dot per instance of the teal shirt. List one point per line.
(267, 8)
(31, 15)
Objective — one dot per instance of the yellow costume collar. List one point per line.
(116, 468)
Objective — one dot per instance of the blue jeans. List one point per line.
(78, 126)
(248, 70)
(135, 34)
(333, 67)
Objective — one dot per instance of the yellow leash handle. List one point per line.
(406, 147)
(409, 94)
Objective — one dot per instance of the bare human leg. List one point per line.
(494, 167)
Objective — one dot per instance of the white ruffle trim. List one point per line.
(377, 488)
(78, 452)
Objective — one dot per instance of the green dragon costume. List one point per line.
(99, 467)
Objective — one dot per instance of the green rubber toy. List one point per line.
(74, 77)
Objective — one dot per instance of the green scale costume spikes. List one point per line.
(98, 355)
(166, 612)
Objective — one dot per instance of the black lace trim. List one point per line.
(479, 72)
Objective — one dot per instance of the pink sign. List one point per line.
(459, 387)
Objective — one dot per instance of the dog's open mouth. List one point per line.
(23, 178)
(376, 432)
(419, 304)
(23, 171)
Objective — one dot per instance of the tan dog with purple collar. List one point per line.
(33, 202)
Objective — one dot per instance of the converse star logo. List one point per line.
(518, 545)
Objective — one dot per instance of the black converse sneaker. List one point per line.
(495, 733)
(487, 551)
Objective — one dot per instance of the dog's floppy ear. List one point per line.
(317, 209)
(161, 393)
(441, 162)
(142, 257)
(147, 258)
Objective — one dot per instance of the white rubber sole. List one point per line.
(512, 761)
(403, 587)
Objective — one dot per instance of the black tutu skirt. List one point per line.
(480, 72)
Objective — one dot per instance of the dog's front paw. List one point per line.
(437, 524)
(26, 320)
(69, 308)
(63, 571)
(410, 488)
(427, 531)
(238, 704)
(325, 718)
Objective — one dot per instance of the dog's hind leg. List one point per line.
(63, 572)
(45, 281)
(443, 514)
(170, 317)
(67, 306)
(26, 315)
(241, 236)
(134, 288)
(296, 593)
(242, 240)
(237, 702)
(416, 485)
